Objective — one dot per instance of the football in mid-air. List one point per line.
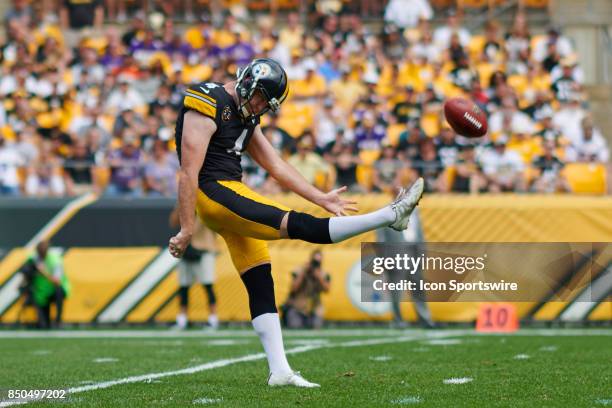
(465, 117)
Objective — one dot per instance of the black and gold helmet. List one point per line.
(267, 76)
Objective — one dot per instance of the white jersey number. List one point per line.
(237, 149)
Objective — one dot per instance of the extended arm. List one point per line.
(197, 131)
(264, 154)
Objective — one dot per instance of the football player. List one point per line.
(217, 123)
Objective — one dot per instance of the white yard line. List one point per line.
(71, 334)
(222, 363)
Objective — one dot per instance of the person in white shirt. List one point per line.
(509, 119)
(124, 97)
(295, 70)
(569, 118)
(2, 115)
(591, 147)
(568, 68)
(95, 72)
(564, 46)
(443, 34)
(10, 161)
(502, 168)
(328, 120)
(426, 48)
(407, 13)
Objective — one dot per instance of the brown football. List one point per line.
(465, 117)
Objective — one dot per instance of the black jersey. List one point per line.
(231, 138)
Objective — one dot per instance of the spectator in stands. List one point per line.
(409, 141)
(569, 118)
(160, 172)
(148, 84)
(278, 137)
(462, 75)
(126, 168)
(428, 165)
(124, 97)
(468, 177)
(370, 134)
(407, 13)
(549, 177)
(20, 12)
(518, 39)
(509, 118)
(306, 161)
(291, 35)
(45, 176)
(26, 144)
(346, 91)
(387, 170)
(547, 130)
(566, 80)
(241, 52)
(135, 30)
(407, 109)
(394, 43)
(541, 107)
(590, 146)
(79, 168)
(493, 45)
(2, 116)
(143, 50)
(328, 118)
(78, 14)
(426, 48)
(525, 144)
(312, 86)
(503, 168)
(128, 119)
(562, 45)
(442, 35)
(10, 162)
(447, 146)
(345, 160)
(89, 67)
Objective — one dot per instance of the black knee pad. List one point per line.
(210, 293)
(308, 228)
(260, 286)
(184, 295)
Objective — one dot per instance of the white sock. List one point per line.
(181, 320)
(341, 228)
(213, 320)
(267, 326)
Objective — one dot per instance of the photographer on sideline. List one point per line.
(303, 308)
(49, 283)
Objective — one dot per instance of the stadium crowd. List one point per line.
(87, 106)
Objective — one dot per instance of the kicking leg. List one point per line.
(234, 207)
(302, 226)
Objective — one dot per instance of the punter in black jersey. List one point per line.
(216, 124)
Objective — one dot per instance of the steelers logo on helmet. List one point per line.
(261, 70)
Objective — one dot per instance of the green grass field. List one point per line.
(356, 368)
